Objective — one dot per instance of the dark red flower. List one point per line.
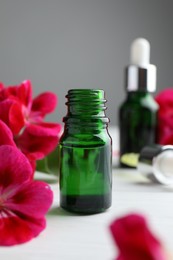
(23, 202)
(135, 240)
(165, 117)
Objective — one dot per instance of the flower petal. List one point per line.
(165, 117)
(37, 141)
(6, 136)
(4, 110)
(45, 129)
(32, 199)
(135, 240)
(165, 98)
(24, 93)
(23, 202)
(1, 85)
(18, 229)
(16, 119)
(32, 161)
(21, 93)
(15, 165)
(167, 139)
(11, 114)
(44, 103)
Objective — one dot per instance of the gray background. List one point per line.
(63, 44)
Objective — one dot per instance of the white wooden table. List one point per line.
(74, 237)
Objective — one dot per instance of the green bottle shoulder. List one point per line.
(140, 102)
(83, 139)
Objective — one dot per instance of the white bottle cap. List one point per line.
(156, 162)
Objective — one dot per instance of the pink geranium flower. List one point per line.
(25, 117)
(23, 202)
(165, 117)
(135, 240)
(33, 111)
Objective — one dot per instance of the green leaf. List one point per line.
(50, 164)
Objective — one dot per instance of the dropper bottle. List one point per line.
(138, 113)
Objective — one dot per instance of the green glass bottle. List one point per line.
(138, 113)
(137, 122)
(85, 154)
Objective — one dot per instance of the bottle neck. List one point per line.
(137, 94)
(144, 99)
(83, 129)
(85, 109)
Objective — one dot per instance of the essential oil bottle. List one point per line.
(85, 154)
(138, 113)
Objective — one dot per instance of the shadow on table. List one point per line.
(58, 211)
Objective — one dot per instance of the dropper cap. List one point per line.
(140, 52)
(140, 74)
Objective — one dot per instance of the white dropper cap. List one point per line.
(140, 52)
(140, 74)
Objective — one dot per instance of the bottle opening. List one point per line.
(85, 104)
